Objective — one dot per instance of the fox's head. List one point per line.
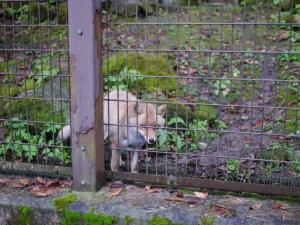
(150, 118)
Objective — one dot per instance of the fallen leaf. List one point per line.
(255, 206)
(148, 187)
(25, 182)
(4, 181)
(283, 35)
(152, 190)
(66, 183)
(179, 194)
(117, 184)
(258, 124)
(222, 210)
(115, 192)
(16, 184)
(53, 183)
(278, 206)
(42, 192)
(223, 168)
(251, 61)
(177, 199)
(201, 195)
(40, 180)
(236, 200)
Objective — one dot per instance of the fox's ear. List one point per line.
(161, 109)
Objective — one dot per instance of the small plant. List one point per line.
(222, 87)
(42, 68)
(233, 166)
(280, 152)
(191, 138)
(157, 220)
(285, 57)
(208, 220)
(25, 215)
(125, 80)
(128, 220)
(22, 142)
(101, 219)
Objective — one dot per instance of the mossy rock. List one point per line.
(204, 112)
(150, 64)
(174, 109)
(43, 11)
(189, 2)
(32, 110)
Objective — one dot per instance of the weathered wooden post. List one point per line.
(85, 38)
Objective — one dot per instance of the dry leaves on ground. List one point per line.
(149, 189)
(42, 191)
(281, 36)
(38, 186)
(201, 195)
(221, 210)
(115, 192)
(179, 199)
(255, 206)
(278, 206)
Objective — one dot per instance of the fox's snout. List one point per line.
(151, 141)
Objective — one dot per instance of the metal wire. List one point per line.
(34, 82)
(229, 75)
(227, 72)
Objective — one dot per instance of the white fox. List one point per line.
(128, 123)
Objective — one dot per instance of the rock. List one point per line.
(202, 145)
(130, 8)
(57, 88)
(297, 153)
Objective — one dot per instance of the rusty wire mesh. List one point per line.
(34, 83)
(228, 72)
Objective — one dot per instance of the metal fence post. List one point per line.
(86, 94)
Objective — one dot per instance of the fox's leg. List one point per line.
(115, 157)
(134, 161)
(122, 162)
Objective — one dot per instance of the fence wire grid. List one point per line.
(207, 90)
(228, 73)
(34, 83)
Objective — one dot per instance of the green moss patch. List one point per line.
(157, 220)
(208, 220)
(203, 112)
(146, 65)
(128, 220)
(99, 219)
(32, 110)
(62, 204)
(25, 215)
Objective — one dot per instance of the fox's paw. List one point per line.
(122, 162)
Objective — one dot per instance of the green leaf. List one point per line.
(176, 120)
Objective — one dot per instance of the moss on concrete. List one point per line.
(157, 220)
(25, 214)
(100, 219)
(208, 220)
(128, 220)
(63, 203)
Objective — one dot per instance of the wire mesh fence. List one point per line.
(34, 82)
(207, 90)
(203, 89)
